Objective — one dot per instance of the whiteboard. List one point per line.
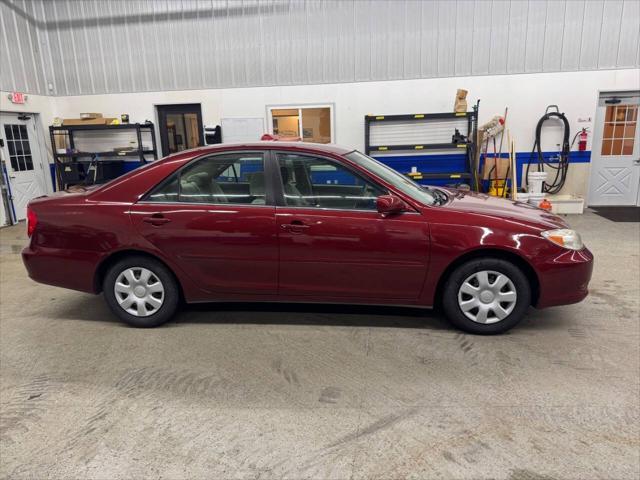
(236, 130)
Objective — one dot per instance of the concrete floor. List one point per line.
(322, 392)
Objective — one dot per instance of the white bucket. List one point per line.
(536, 180)
(536, 198)
(523, 197)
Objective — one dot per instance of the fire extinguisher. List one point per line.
(582, 143)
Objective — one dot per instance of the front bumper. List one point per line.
(564, 279)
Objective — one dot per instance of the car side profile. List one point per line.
(296, 222)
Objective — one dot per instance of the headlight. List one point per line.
(565, 238)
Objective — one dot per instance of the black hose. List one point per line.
(562, 167)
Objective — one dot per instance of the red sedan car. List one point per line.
(294, 222)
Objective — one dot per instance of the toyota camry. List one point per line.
(296, 222)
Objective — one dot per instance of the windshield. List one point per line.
(424, 195)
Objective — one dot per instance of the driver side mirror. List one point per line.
(390, 205)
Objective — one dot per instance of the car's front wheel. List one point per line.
(141, 291)
(486, 296)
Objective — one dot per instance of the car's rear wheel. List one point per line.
(141, 291)
(486, 296)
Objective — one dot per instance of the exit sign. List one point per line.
(17, 97)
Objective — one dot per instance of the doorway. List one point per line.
(180, 127)
(23, 164)
(615, 156)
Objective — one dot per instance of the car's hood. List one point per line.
(486, 205)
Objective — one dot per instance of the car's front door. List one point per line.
(215, 219)
(335, 244)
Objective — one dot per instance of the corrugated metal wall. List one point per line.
(101, 46)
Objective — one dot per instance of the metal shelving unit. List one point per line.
(411, 122)
(70, 167)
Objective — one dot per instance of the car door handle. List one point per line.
(295, 226)
(156, 219)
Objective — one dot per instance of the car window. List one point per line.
(310, 181)
(232, 178)
(423, 194)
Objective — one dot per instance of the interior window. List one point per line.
(233, 178)
(307, 124)
(318, 182)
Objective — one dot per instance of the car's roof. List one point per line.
(273, 145)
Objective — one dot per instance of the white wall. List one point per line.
(526, 95)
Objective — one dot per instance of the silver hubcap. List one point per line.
(487, 297)
(139, 292)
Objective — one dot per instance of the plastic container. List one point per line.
(567, 204)
(497, 188)
(523, 197)
(536, 198)
(536, 179)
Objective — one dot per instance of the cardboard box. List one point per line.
(502, 165)
(90, 121)
(61, 143)
(460, 104)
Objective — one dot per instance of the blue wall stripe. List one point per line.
(52, 170)
(437, 163)
(440, 163)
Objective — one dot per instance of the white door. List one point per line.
(615, 157)
(23, 160)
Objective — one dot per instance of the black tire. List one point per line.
(454, 312)
(170, 296)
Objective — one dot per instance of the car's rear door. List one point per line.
(215, 219)
(335, 244)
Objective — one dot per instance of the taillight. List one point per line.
(32, 221)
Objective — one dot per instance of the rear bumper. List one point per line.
(74, 269)
(564, 279)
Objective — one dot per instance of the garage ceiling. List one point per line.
(87, 47)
